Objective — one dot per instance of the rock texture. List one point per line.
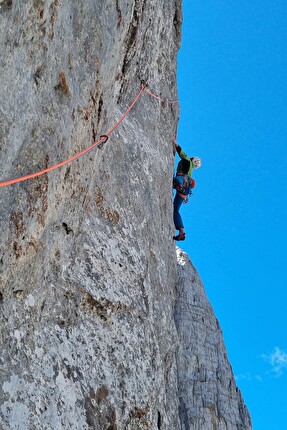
(88, 270)
(209, 398)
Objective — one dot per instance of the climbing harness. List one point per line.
(103, 139)
(188, 184)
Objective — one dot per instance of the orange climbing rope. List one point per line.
(102, 139)
(159, 98)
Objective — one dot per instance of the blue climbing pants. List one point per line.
(176, 215)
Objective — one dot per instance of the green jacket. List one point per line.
(185, 165)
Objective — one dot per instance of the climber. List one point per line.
(183, 183)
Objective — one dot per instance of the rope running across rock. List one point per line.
(102, 139)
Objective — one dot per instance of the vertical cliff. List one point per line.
(90, 302)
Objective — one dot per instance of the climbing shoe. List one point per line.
(179, 237)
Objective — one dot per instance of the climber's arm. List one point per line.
(182, 154)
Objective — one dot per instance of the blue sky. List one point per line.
(233, 113)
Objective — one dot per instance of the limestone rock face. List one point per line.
(208, 396)
(88, 269)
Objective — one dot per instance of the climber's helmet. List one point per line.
(196, 162)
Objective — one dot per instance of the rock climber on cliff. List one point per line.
(183, 183)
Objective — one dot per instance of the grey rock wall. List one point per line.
(208, 396)
(87, 264)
